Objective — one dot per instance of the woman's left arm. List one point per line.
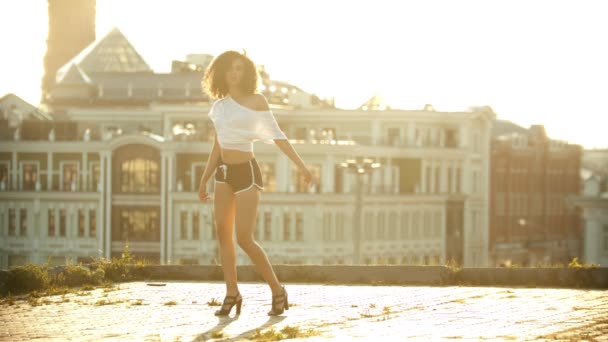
(285, 146)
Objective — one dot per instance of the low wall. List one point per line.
(596, 277)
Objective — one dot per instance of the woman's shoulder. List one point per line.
(260, 101)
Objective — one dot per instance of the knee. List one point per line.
(245, 241)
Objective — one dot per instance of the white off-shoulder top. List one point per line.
(237, 126)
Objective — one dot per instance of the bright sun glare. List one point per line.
(532, 62)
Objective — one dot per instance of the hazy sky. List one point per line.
(532, 61)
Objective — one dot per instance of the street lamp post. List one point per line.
(360, 167)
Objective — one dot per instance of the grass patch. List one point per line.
(217, 334)
(172, 302)
(286, 332)
(214, 302)
(108, 302)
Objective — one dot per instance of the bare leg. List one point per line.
(224, 207)
(246, 217)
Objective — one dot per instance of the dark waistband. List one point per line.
(252, 160)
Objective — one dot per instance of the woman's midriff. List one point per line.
(235, 156)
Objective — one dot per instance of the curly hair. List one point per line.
(214, 81)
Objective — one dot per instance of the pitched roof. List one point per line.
(112, 53)
(75, 75)
(502, 127)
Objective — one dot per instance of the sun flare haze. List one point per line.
(540, 62)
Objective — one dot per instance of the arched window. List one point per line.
(139, 175)
(136, 169)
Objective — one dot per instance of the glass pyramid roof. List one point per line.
(112, 53)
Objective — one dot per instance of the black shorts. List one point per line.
(240, 176)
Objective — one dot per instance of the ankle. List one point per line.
(277, 290)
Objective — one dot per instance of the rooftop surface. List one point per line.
(180, 311)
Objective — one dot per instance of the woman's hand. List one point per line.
(203, 195)
(309, 179)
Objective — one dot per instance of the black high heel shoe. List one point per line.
(229, 302)
(279, 303)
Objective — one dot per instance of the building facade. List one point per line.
(532, 176)
(116, 166)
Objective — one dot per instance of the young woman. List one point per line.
(241, 116)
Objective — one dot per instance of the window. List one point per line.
(474, 181)
(12, 224)
(62, 222)
(392, 225)
(269, 177)
(450, 181)
(51, 222)
(368, 226)
(458, 177)
(195, 177)
(29, 176)
(137, 224)
(92, 223)
(428, 179)
(394, 136)
(267, 225)
(95, 176)
(183, 219)
(81, 221)
(437, 225)
(416, 225)
(139, 176)
(69, 176)
(298, 180)
(381, 227)
(606, 237)
(427, 225)
(326, 226)
(287, 226)
(405, 225)
(195, 225)
(451, 138)
(299, 226)
(437, 179)
(340, 226)
(4, 176)
(16, 260)
(301, 133)
(328, 133)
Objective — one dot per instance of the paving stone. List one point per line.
(179, 312)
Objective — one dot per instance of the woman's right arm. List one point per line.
(211, 165)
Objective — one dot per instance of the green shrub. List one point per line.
(79, 275)
(26, 278)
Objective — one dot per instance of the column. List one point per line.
(376, 132)
(49, 171)
(592, 238)
(444, 177)
(108, 203)
(328, 170)
(387, 187)
(85, 172)
(411, 134)
(14, 171)
(283, 173)
(163, 205)
(423, 166)
(100, 228)
(169, 205)
(432, 180)
(486, 190)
